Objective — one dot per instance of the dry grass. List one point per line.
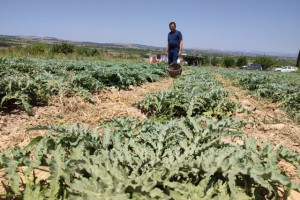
(270, 123)
(109, 104)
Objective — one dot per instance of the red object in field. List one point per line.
(154, 59)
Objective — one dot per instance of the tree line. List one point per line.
(65, 48)
(239, 61)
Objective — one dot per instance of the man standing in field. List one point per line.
(174, 46)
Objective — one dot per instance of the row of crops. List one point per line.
(29, 82)
(283, 88)
(197, 94)
(178, 153)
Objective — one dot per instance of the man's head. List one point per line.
(172, 26)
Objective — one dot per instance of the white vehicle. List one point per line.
(286, 69)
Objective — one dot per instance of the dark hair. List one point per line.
(172, 23)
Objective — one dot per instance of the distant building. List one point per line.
(195, 60)
(159, 57)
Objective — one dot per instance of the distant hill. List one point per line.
(52, 40)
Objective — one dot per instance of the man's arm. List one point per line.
(180, 48)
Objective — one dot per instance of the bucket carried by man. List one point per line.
(174, 70)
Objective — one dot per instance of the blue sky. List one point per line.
(254, 25)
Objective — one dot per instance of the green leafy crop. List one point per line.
(30, 82)
(278, 87)
(184, 155)
(180, 159)
(191, 95)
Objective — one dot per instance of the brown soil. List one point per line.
(109, 104)
(268, 124)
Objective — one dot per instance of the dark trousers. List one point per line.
(172, 56)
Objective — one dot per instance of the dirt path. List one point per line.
(109, 104)
(269, 124)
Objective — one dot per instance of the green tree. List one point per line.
(284, 62)
(264, 61)
(55, 48)
(206, 60)
(94, 52)
(229, 61)
(215, 61)
(64, 47)
(37, 49)
(67, 48)
(85, 51)
(81, 51)
(242, 61)
(298, 60)
(4, 44)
